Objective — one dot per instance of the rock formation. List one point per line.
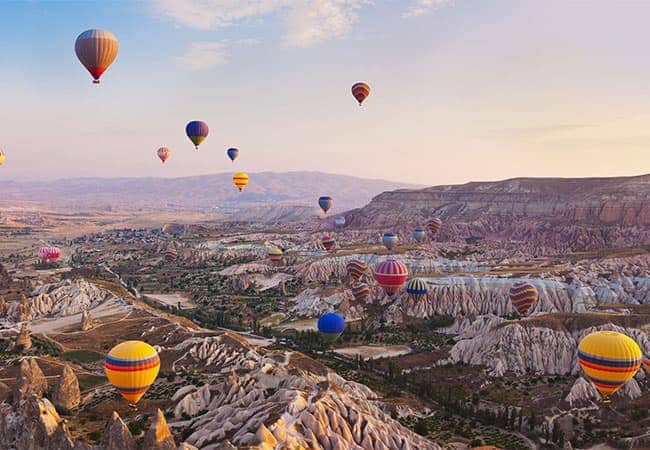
(3, 307)
(66, 394)
(158, 437)
(5, 278)
(22, 311)
(117, 435)
(86, 321)
(24, 340)
(29, 381)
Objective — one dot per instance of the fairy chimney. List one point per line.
(24, 340)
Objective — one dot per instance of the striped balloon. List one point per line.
(419, 234)
(356, 269)
(609, 359)
(646, 362)
(49, 254)
(391, 275)
(197, 131)
(328, 243)
(325, 203)
(132, 366)
(2, 157)
(523, 296)
(433, 225)
(232, 153)
(389, 240)
(275, 255)
(163, 154)
(360, 291)
(416, 288)
(240, 179)
(360, 91)
(171, 254)
(96, 50)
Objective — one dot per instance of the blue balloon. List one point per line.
(232, 153)
(197, 131)
(339, 221)
(331, 323)
(325, 203)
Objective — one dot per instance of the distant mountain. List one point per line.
(199, 193)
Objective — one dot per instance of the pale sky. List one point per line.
(462, 90)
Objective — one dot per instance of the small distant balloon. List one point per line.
(356, 269)
(240, 179)
(331, 326)
(96, 50)
(339, 221)
(2, 157)
(360, 91)
(232, 153)
(325, 203)
(171, 254)
(433, 225)
(49, 254)
(419, 234)
(197, 131)
(163, 154)
(416, 288)
(523, 296)
(389, 240)
(360, 291)
(328, 243)
(275, 255)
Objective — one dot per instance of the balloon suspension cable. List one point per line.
(196, 147)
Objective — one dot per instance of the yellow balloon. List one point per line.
(609, 359)
(2, 157)
(132, 366)
(240, 179)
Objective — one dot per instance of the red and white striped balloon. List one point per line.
(49, 254)
(391, 275)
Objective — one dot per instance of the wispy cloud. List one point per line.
(307, 21)
(420, 7)
(207, 54)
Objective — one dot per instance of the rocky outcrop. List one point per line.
(5, 278)
(87, 322)
(24, 339)
(158, 437)
(117, 435)
(67, 395)
(21, 312)
(30, 381)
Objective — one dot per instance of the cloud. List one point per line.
(420, 7)
(307, 22)
(207, 54)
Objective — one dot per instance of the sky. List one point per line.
(463, 90)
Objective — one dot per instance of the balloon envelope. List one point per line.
(171, 254)
(339, 221)
(328, 243)
(2, 157)
(356, 269)
(416, 288)
(240, 179)
(523, 296)
(275, 254)
(389, 240)
(163, 153)
(433, 225)
(49, 254)
(197, 131)
(609, 359)
(132, 366)
(96, 50)
(360, 291)
(331, 326)
(419, 234)
(232, 153)
(325, 203)
(391, 275)
(360, 91)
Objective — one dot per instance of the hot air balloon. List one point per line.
(49, 254)
(360, 91)
(171, 254)
(646, 362)
(232, 153)
(389, 240)
(96, 49)
(325, 203)
(331, 326)
(339, 221)
(609, 359)
(275, 255)
(356, 269)
(328, 243)
(132, 366)
(163, 154)
(391, 275)
(240, 179)
(419, 234)
(197, 131)
(523, 296)
(433, 225)
(2, 157)
(360, 291)
(416, 288)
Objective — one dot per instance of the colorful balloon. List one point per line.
(232, 153)
(419, 234)
(391, 275)
(328, 243)
(416, 288)
(132, 366)
(275, 255)
(339, 221)
(325, 203)
(433, 225)
(523, 296)
(49, 254)
(197, 131)
(389, 240)
(171, 254)
(240, 179)
(360, 91)
(356, 269)
(609, 359)
(360, 291)
(331, 326)
(163, 154)
(96, 50)
(2, 157)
